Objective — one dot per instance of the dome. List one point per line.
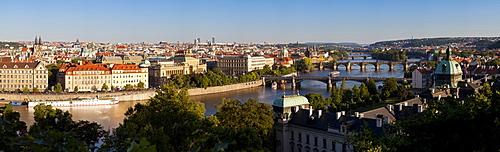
(448, 65)
(290, 101)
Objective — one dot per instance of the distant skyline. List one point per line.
(258, 21)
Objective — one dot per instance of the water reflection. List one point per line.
(111, 116)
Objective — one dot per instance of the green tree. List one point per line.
(58, 88)
(26, 89)
(52, 69)
(391, 86)
(141, 85)
(335, 99)
(75, 89)
(304, 65)
(128, 87)
(431, 64)
(169, 120)
(251, 120)
(11, 128)
(105, 87)
(35, 89)
(76, 60)
(317, 101)
(372, 86)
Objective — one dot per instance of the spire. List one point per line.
(448, 54)
(40, 40)
(36, 40)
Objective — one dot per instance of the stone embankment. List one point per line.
(123, 95)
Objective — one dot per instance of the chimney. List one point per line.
(386, 119)
(297, 108)
(405, 103)
(343, 112)
(319, 113)
(439, 97)
(338, 115)
(398, 107)
(419, 108)
(432, 90)
(356, 114)
(379, 122)
(389, 107)
(310, 110)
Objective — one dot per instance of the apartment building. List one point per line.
(128, 74)
(242, 64)
(84, 76)
(87, 76)
(18, 75)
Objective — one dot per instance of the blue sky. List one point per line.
(257, 21)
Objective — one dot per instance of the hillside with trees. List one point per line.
(481, 42)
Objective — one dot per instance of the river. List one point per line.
(110, 116)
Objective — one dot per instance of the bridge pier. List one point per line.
(348, 66)
(294, 85)
(330, 85)
(363, 67)
(264, 81)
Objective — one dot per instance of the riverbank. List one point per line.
(123, 95)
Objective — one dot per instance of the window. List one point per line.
(315, 141)
(291, 132)
(324, 142)
(307, 139)
(300, 137)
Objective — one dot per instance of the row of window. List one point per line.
(299, 139)
(89, 72)
(13, 87)
(22, 81)
(21, 71)
(23, 76)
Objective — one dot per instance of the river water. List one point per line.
(110, 116)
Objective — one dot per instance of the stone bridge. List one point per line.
(335, 65)
(328, 80)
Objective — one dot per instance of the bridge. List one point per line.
(348, 64)
(328, 80)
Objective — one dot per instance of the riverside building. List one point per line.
(19, 75)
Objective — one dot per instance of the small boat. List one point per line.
(334, 74)
(15, 103)
(274, 85)
(79, 102)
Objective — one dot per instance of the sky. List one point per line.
(256, 21)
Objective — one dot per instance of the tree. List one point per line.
(54, 129)
(431, 64)
(128, 87)
(58, 88)
(249, 119)
(76, 60)
(169, 120)
(391, 86)
(105, 87)
(52, 71)
(26, 89)
(35, 89)
(372, 86)
(75, 89)
(11, 127)
(317, 101)
(304, 65)
(141, 85)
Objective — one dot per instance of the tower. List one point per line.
(37, 47)
(448, 71)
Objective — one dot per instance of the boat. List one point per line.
(334, 74)
(274, 85)
(77, 102)
(15, 103)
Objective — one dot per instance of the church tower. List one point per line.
(37, 47)
(448, 72)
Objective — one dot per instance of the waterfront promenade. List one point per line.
(122, 95)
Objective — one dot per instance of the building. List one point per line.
(84, 76)
(128, 74)
(299, 127)
(422, 77)
(19, 75)
(193, 65)
(161, 72)
(87, 76)
(242, 64)
(448, 72)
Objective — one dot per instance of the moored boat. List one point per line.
(15, 103)
(334, 74)
(80, 102)
(274, 85)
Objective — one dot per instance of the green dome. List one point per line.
(290, 101)
(448, 65)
